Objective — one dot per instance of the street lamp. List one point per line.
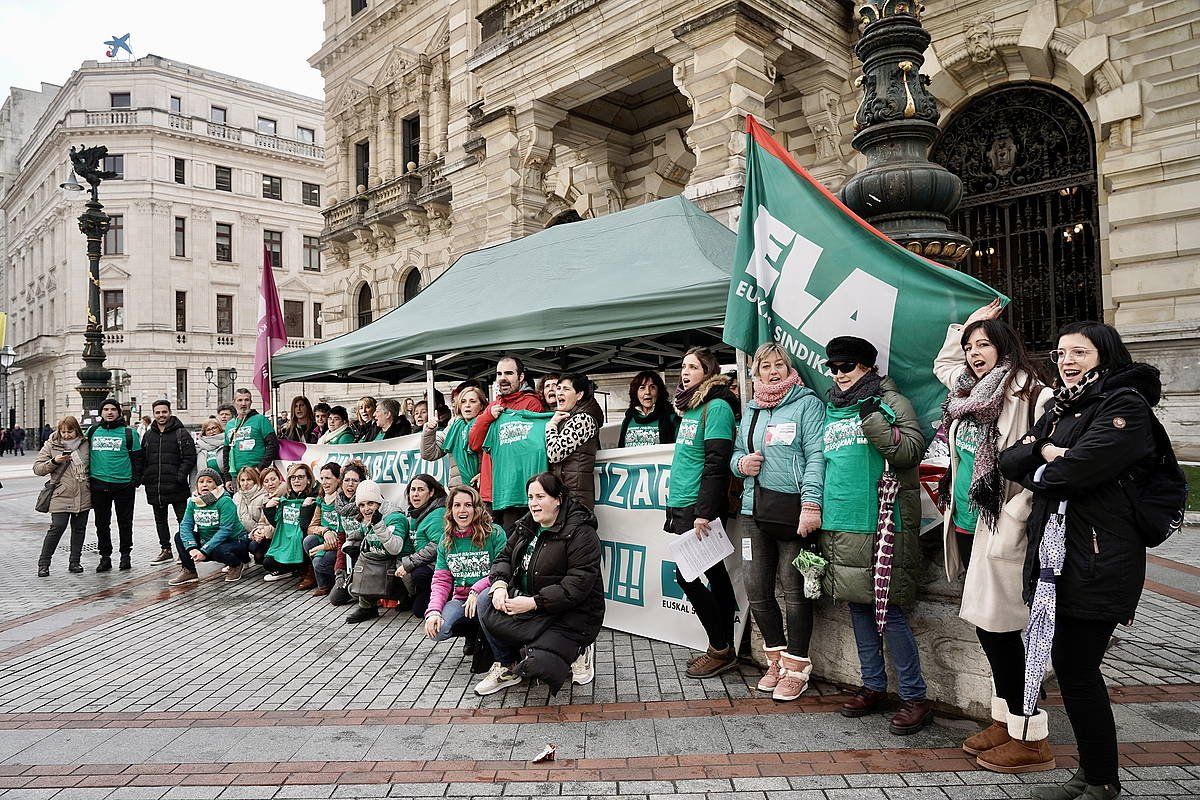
(7, 357)
(221, 385)
(88, 163)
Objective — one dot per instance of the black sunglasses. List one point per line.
(841, 366)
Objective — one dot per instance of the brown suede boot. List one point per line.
(308, 581)
(864, 701)
(712, 663)
(995, 734)
(1028, 749)
(912, 717)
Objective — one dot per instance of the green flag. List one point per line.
(808, 269)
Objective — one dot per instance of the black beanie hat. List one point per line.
(850, 348)
(111, 402)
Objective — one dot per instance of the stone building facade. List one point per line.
(212, 169)
(457, 124)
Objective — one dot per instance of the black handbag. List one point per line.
(517, 629)
(46, 495)
(776, 514)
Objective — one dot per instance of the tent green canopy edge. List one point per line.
(616, 293)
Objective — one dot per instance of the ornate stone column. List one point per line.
(387, 136)
(424, 73)
(343, 188)
(901, 192)
(441, 108)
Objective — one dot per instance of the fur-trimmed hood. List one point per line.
(714, 388)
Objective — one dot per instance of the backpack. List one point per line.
(1158, 496)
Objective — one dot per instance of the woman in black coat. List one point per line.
(1097, 434)
(545, 605)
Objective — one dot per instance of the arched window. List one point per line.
(1026, 157)
(412, 285)
(364, 305)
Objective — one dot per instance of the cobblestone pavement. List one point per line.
(116, 686)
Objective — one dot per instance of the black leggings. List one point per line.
(715, 604)
(1005, 651)
(1079, 646)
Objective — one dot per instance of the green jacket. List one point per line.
(209, 527)
(850, 574)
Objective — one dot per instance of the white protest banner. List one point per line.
(631, 486)
(639, 575)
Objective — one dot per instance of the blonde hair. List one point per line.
(71, 423)
(211, 423)
(767, 350)
(469, 390)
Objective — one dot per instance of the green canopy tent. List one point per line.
(625, 292)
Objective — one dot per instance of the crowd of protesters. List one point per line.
(506, 555)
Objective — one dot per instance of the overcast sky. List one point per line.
(268, 41)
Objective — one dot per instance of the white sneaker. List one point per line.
(276, 576)
(583, 671)
(497, 679)
(223, 569)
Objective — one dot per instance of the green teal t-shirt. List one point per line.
(853, 468)
(399, 522)
(110, 461)
(345, 437)
(246, 440)
(207, 520)
(467, 563)
(966, 442)
(287, 545)
(641, 434)
(455, 443)
(517, 443)
(688, 462)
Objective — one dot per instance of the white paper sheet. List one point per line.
(693, 555)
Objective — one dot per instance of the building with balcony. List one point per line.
(211, 170)
(457, 124)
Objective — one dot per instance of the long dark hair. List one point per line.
(1008, 344)
(661, 403)
(1110, 350)
(309, 419)
(436, 490)
(707, 360)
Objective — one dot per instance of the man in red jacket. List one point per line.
(510, 378)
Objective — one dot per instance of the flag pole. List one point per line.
(430, 411)
(742, 376)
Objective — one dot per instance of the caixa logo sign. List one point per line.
(636, 487)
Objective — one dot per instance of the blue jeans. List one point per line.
(232, 553)
(452, 613)
(323, 563)
(901, 643)
(503, 651)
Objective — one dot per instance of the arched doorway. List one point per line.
(1026, 157)
(412, 285)
(364, 305)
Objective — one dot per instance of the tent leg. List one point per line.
(743, 376)
(431, 409)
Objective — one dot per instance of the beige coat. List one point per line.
(73, 492)
(991, 597)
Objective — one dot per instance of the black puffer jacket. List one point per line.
(170, 456)
(564, 572)
(1108, 435)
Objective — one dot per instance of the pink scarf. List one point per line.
(769, 395)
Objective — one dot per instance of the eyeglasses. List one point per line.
(1076, 354)
(841, 366)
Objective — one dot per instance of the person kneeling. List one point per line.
(465, 553)
(210, 531)
(546, 601)
(372, 576)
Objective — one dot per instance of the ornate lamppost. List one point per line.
(901, 192)
(221, 385)
(94, 377)
(7, 357)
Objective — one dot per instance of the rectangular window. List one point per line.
(293, 318)
(312, 253)
(266, 126)
(118, 100)
(224, 241)
(272, 187)
(225, 313)
(180, 170)
(412, 141)
(224, 386)
(306, 135)
(114, 239)
(273, 242)
(357, 7)
(114, 309)
(181, 397)
(181, 311)
(115, 164)
(224, 181)
(310, 194)
(317, 332)
(176, 105)
(217, 114)
(180, 237)
(362, 162)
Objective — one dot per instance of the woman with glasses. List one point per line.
(870, 429)
(1096, 441)
(995, 396)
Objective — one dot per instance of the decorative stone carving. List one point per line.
(383, 235)
(417, 221)
(339, 252)
(821, 112)
(367, 240)
(979, 34)
(439, 216)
